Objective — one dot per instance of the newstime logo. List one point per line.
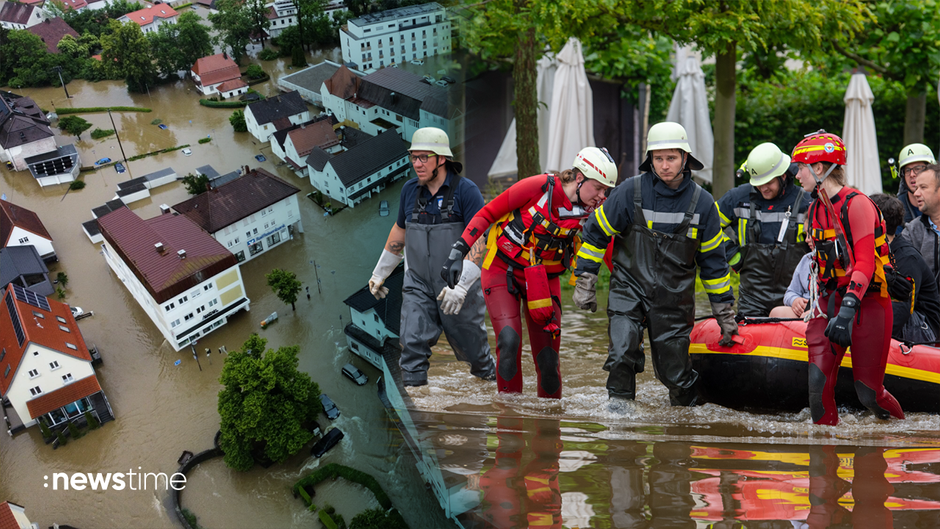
(130, 480)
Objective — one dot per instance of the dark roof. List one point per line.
(368, 157)
(15, 13)
(389, 308)
(51, 32)
(403, 92)
(280, 106)
(108, 207)
(21, 120)
(217, 181)
(17, 261)
(12, 215)
(312, 78)
(344, 83)
(353, 137)
(229, 203)
(207, 170)
(164, 274)
(281, 134)
(318, 158)
(60, 161)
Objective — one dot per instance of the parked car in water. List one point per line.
(76, 311)
(326, 442)
(187, 151)
(103, 161)
(353, 373)
(449, 80)
(417, 62)
(329, 407)
(442, 83)
(383, 208)
(119, 167)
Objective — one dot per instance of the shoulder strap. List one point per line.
(684, 227)
(638, 200)
(448, 211)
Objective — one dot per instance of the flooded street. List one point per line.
(514, 462)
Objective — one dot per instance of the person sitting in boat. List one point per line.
(797, 295)
(668, 229)
(923, 323)
(537, 223)
(849, 259)
(923, 232)
(765, 220)
(913, 159)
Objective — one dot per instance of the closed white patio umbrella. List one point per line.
(863, 168)
(571, 115)
(689, 108)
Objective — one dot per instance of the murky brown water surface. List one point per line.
(515, 462)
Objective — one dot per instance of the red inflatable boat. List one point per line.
(768, 369)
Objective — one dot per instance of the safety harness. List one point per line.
(420, 216)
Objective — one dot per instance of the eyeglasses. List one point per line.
(913, 170)
(423, 158)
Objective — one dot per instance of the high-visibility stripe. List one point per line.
(591, 253)
(539, 303)
(764, 216)
(692, 233)
(712, 243)
(736, 259)
(742, 231)
(604, 223)
(717, 286)
(663, 217)
(725, 221)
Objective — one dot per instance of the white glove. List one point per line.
(452, 298)
(387, 262)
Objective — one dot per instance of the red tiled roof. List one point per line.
(227, 204)
(343, 84)
(51, 32)
(75, 4)
(282, 123)
(7, 521)
(234, 84)
(12, 216)
(165, 275)
(67, 394)
(216, 69)
(44, 332)
(319, 134)
(146, 16)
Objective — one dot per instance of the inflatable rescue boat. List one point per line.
(768, 369)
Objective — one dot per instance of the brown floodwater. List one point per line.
(513, 461)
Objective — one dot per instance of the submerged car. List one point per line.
(76, 311)
(119, 167)
(383, 208)
(187, 151)
(353, 373)
(329, 407)
(103, 161)
(326, 442)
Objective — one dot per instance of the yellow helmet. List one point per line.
(765, 163)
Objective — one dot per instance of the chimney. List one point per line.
(164, 209)
(181, 254)
(159, 247)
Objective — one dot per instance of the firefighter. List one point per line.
(765, 219)
(435, 208)
(537, 224)
(852, 306)
(913, 159)
(665, 226)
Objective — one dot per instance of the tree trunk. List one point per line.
(725, 81)
(914, 116)
(526, 103)
(292, 307)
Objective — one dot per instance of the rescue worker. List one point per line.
(765, 219)
(913, 159)
(664, 226)
(435, 208)
(851, 252)
(922, 232)
(537, 224)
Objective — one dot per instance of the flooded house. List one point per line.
(218, 74)
(268, 116)
(22, 227)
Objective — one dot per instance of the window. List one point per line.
(206, 287)
(274, 239)
(200, 309)
(7, 372)
(38, 315)
(264, 212)
(54, 365)
(71, 346)
(237, 240)
(35, 353)
(240, 256)
(213, 302)
(64, 328)
(24, 240)
(2, 354)
(188, 316)
(256, 248)
(183, 299)
(355, 346)
(35, 391)
(60, 319)
(247, 234)
(66, 378)
(174, 323)
(376, 317)
(33, 373)
(271, 209)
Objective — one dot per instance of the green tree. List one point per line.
(254, 72)
(358, 7)
(297, 57)
(196, 184)
(266, 405)
(233, 25)
(902, 45)
(237, 119)
(176, 47)
(285, 284)
(125, 53)
(257, 11)
(74, 125)
(26, 61)
(376, 519)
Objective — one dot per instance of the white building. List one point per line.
(151, 18)
(46, 366)
(22, 227)
(24, 130)
(374, 41)
(14, 15)
(263, 118)
(217, 74)
(249, 215)
(186, 282)
(374, 323)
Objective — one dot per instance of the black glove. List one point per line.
(453, 266)
(839, 330)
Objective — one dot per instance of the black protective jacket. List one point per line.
(926, 295)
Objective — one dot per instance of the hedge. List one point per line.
(327, 520)
(161, 151)
(222, 104)
(86, 110)
(333, 470)
(97, 134)
(204, 140)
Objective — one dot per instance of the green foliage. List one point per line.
(77, 184)
(190, 519)
(268, 54)
(334, 470)
(305, 496)
(378, 519)
(74, 125)
(204, 140)
(60, 293)
(91, 110)
(92, 421)
(233, 24)
(97, 134)
(196, 184)
(285, 285)
(255, 72)
(62, 440)
(237, 119)
(156, 121)
(62, 278)
(74, 432)
(27, 62)
(95, 21)
(297, 59)
(222, 104)
(326, 519)
(177, 46)
(161, 151)
(44, 430)
(266, 404)
(126, 54)
(257, 13)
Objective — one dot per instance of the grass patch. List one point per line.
(97, 134)
(88, 110)
(156, 121)
(204, 140)
(222, 104)
(161, 151)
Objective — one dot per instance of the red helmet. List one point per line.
(820, 146)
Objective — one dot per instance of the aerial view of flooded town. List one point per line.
(207, 320)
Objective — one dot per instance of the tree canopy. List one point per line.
(266, 406)
(125, 53)
(285, 284)
(74, 125)
(233, 24)
(177, 47)
(196, 184)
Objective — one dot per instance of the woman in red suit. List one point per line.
(537, 222)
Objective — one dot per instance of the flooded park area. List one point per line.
(515, 461)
